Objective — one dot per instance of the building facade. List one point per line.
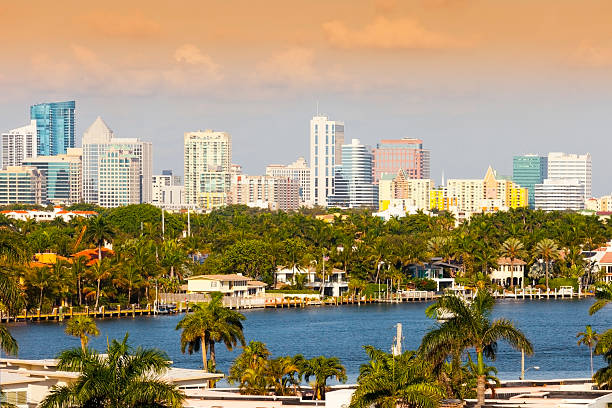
(299, 171)
(274, 193)
(63, 175)
(560, 195)
(572, 166)
(23, 185)
(416, 191)
(168, 191)
(529, 170)
(326, 140)
(393, 155)
(54, 127)
(19, 144)
(208, 161)
(119, 178)
(97, 140)
(354, 187)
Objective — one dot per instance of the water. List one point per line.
(341, 331)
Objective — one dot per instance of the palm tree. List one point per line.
(210, 323)
(603, 294)
(40, 278)
(81, 327)
(99, 271)
(589, 338)
(470, 326)
(281, 372)
(548, 250)
(513, 249)
(124, 377)
(9, 298)
(395, 381)
(322, 368)
(253, 355)
(99, 230)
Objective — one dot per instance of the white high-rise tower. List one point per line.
(571, 166)
(326, 140)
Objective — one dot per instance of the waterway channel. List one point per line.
(341, 331)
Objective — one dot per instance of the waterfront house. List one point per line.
(233, 285)
(443, 273)
(335, 283)
(506, 271)
(41, 215)
(599, 261)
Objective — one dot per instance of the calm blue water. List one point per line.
(341, 331)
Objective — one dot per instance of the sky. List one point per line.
(477, 80)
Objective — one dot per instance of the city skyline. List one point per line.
(429, 69)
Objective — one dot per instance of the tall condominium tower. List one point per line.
(208, 158)
(119, 178)
(97, 140)
(54, 127)
(19, 144)
(326, 140)
(63, 175)
(529, 170)
(393, 155)
(299, 171)
(571, 166)
(354, 187)
(560, 194)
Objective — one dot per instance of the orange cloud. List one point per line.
(388, 34)
(592, 56)
(294, 64)
(192, 57)
(121, 25)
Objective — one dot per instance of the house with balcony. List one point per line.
(443, 273)
(232, 285)
(509, 273)
(336, 283)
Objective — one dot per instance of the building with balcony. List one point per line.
(299, 171)
(560, 195)
(208, 166)
(18, 145)
(326, 140)
(509, 273)
(336, 283)
(22, 185)
(232, 285)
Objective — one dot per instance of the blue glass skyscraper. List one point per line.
(529, 170)
(54, 127)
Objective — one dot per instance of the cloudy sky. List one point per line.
(477, 80)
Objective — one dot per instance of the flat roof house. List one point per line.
(233, 285)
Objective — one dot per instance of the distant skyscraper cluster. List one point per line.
(42, 165)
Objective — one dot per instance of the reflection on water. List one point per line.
(551, 325)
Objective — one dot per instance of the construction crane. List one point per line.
(78, 241)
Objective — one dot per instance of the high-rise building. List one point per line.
(415, 191)
(23, 185)
(529, 170)
(274, 193)
(19, 144)
(393, 155)
(354, 187)
(208, 162)
(97, 140)
(492, 193)
(168, 191)
(560, 195)
(326, 140)
(119, 178)
(63, 175)
(299, 171)
(54, 127)
(571, 166)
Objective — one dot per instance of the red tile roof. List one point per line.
(506, 261)
(606, 259)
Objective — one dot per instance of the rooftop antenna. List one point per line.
(443, 178)
(317, 108)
